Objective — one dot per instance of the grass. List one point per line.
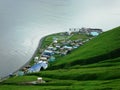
(95, 73)
(105, 45)
(19, 79)
(79, 36)
(93, 66)
(47, 40)
(71, 85)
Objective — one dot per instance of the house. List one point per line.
(36, 59)
(20, 73)
(51, 59)
(65, 52)
(55, 41)
(67, 47)
(35, 68)
(43, 58)
(57, 46)
(48, 52)
(68, 33)
(50, 48)
(94, 33)
(44, 64)
(80, 43)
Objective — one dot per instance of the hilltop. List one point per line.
(93, 66)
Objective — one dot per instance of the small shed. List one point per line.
(39, 79)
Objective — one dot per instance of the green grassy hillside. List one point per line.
(105, 46)
(93, 66)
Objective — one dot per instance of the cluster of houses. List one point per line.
(56, 48)
(49, 54)
(87, 31)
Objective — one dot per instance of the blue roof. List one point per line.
(35, 68)
(94, 33)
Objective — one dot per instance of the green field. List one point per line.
(93, 66)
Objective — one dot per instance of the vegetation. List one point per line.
(103, 47)
(93, 66)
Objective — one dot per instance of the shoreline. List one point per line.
(35, 52)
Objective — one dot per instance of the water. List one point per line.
(22, 25)
(24, 22)
(15, 51)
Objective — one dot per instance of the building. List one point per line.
(87, 31)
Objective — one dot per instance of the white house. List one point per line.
(36, 59)
(67, 47)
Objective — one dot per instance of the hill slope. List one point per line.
(93, 66)
(105, 46)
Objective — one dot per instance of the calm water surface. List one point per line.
(22, 24)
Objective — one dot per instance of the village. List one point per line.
(61, 45)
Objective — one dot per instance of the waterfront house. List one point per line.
(37, 67)
(36, 59)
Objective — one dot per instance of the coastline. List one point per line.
(38, 46)
(35, 52)
(27, 63)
